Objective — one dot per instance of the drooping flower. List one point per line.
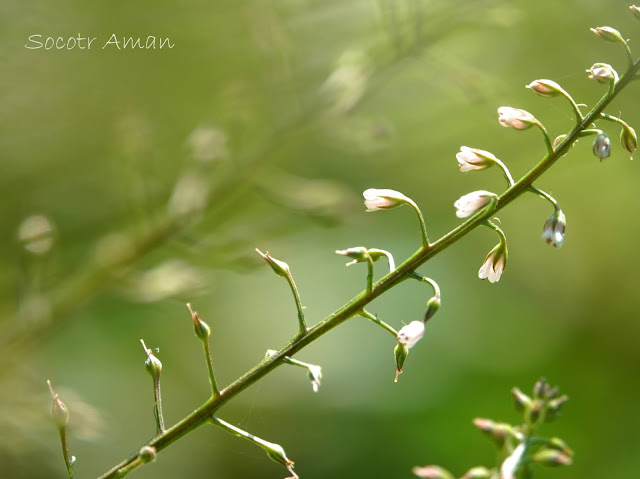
(629, 139)
(410, 334)
(602, 146)
(609, 34)
(474, 159)
(358, 253)
(553, 230)
(494, 264)
(602, 73)
(383, 199)
(515, 118)
(472, 202)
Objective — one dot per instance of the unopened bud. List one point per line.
(201, 328)
(59, 411)
(609, 34)
(276, 454)
(400, 352)
(535, 411)
(602, 146)
(515, 118)
(551, 457)
(497, 431)
(540, 388)
(554, 406)
(521, 401)
(358, 253)
(545, 88)
(315, 376)
(635, 10)
(432, 472)
(147, 454)
(151, 364)
(602, 73)
(560, 445)
(477, 473)
(629, 139)
(279, 267)
(383, 199)
(433, 306)
(553, 229)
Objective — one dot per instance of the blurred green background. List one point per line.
(153, 175)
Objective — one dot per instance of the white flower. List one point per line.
(315, 375)
(602, 73)
(494, 264)
(545, 88)
(553, 231)
(515, 118)
(472, 202)
(383, 199)
(410, 334)
(474, 159)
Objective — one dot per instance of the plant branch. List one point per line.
(203, 414)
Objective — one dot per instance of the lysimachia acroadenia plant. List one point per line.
(519, 448)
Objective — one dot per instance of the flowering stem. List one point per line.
(369, 272)
(157, 405)
(545, 195)
(353, 307)
(296, 297)
(65, 452)
(366, 314)
(212, 379)
(389, 256)
(423, 226)
(614, 119)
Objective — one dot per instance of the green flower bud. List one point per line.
(602, 146)
(279, 267)
(276, 454)
(602, 73)
(554, 406)
(147, 454)
(629, 139)
(59, 411)
(432, 472)
(201, 328)
(151, 364)
(400, 352)
(540, 389)
(478, 472)
(609, 34)
(521, 401)
(358, 253)
(551, 457)
(535, 411)
(497, 431)
(635, 10)
(560, 445)
(433, 306)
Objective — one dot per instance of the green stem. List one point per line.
(423, 226)
(296, 297)
(547, 140)
(574, 105)
(505, 171)
(203, 413)
(158, 404)
(545, 195)
(65, 452)
(434, 285)
(366, 314)
(369, 272)
(212, 378)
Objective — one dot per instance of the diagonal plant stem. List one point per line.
(202, 414)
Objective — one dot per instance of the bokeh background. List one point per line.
(135, 181)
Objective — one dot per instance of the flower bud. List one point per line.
(629, 139)
(635, 10)
(358, 253)
(540, 388)
(478, 472)
(602, 73)
(521, 401)
(515, 118)
(551, 457)
(494, 264)
(315, 375)
(535, 411)
(497, 431)
(560, 445)
(433, 306)
(279, 267)
(609, 34)
(473, 202)
(554, 406)
(147, 454)
(400, 352)
(201, 328)
(410, 334)
(432, 472)
(59, 411)
(383, 199)
(553, 230)
(545, 88)
(276, 454)
(602, 146)
(474, 159)
(152, 364)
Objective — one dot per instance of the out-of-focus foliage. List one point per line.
(261, 128)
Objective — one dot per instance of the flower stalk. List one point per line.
(203, 332)
(154, 368)
(60, 415)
